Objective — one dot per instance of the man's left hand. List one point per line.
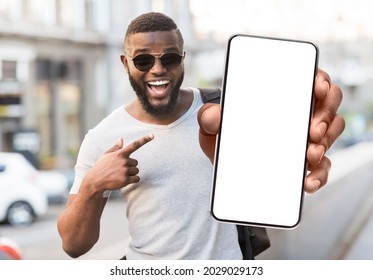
(326, 127)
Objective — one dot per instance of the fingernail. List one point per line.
(119, 142)
(322, 127)
(321, 149)
(314, 186)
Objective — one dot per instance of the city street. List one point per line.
(41, 241)
(337, 222)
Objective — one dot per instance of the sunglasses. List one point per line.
(145, 62)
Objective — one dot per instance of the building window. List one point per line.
(9, 70)
(10, 91)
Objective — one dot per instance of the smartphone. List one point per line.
(260, 157)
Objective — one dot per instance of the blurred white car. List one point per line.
(21, 200)
(25, 191)
(54, 184)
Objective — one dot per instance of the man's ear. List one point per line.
(124, 60)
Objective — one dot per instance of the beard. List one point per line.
(157, 111)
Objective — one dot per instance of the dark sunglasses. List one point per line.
(145, 62)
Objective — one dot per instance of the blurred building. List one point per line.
(60, 71)
(343, 31)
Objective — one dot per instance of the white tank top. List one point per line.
(168, 210)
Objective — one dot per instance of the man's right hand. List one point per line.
(115, 168)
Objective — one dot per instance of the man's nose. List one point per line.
(158, 66)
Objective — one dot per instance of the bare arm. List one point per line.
(79, 222)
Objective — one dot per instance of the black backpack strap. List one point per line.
(252, 240)
(245, 243)
(210, 95)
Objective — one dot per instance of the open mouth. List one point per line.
(159, 88)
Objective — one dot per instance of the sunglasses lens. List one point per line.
(144, 62)
(171, 60)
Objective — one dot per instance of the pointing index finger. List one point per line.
(135, 145)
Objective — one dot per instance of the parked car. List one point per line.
(25, 191)
(21, 200)
(54, 183)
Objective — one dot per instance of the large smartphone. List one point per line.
(267, 104)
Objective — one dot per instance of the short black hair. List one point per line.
(151, 22)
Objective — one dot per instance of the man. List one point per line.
(168, 209)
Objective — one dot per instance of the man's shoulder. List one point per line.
(114, 116)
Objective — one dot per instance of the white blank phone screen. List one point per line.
(260, 160)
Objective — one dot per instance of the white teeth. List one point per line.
(158, 83)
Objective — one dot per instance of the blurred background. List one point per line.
(60, 74)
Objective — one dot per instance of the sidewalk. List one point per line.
(337, 221)
(360, 234)
(362, 249)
